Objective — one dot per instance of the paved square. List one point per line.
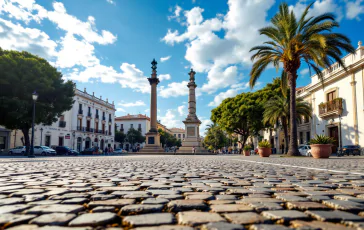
(181, 192)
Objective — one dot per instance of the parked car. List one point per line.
(89, 151)
(18, 150)
(351, 149)
(64, 150)
(44, 150)
(305, 150)
(120, 151)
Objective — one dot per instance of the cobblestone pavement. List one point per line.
(181, 192)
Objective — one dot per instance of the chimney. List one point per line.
(360, 44)
(107, 100)
(100, 97)
(93, 94)
(84, 89)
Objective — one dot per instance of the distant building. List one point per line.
(5, 137)
(138, 122)
(89, 123)
(178, 133)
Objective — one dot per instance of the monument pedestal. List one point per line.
(153, 143)
(192, 138)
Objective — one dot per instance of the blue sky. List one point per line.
(106, 46)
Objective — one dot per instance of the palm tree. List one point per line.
(277, 109)
(292, 41)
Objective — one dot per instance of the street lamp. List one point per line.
(41, 136)
(31, 154)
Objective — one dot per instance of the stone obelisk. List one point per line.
(192, 123)
(153, 137)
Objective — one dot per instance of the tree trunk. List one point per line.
(293, 145)
(26, 140)
(285, 131)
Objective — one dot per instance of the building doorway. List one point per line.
(60, 141)
(48, 141)
(79, 144)
(102, 144)
(87, 143)
(334, 134)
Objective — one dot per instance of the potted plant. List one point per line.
(321, 146)
(264, 148)
(247, 149)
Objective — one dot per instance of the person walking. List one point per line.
(106, 151)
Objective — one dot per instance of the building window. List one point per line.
(61, 118)
(121, 127)
(179, 136)
(331, 96)
(183, 135)
(80, 109)
(109, 129)
(175, 135)
(301, 137)
(308, 137)
(48, 141)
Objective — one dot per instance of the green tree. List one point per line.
(120, 137)
(135, 136)
(215, 137)
(22, 73)
(168, 140)
(242, 115)
(277, 109)
(291, 41)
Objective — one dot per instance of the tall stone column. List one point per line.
(192, 123)
(153, 137)
(153, 80)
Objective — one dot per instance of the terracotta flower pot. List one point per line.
(321, 150)
(246, 153)
(264, 152)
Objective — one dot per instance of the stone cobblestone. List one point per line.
(181, 192)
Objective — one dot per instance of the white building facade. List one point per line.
(138, 122)
(337, 103)
(178, 133)
(90, 123)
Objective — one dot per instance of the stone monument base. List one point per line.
(153, 143)
(189, 143)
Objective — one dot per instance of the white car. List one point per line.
(18, 150)
(44, 150)
(305, 150)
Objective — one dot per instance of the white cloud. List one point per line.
(182, 110)
(111, 2)
(176, 14)
(319, 7)
(304, 71)
(120, 110)
(169, 119)
(216, 56)
(174, 89)
(354, 9)
(223, 95)
(132, 104)
(163, 59)
(164, 77)
(16, 37)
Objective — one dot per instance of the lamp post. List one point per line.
(41, 136)
(31, 154)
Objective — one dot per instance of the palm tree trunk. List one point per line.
(285, 131)
(293, 145)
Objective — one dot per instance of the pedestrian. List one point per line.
(106, 151)
(193, 150)
(174, 150)
(282, 147)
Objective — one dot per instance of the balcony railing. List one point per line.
(97, 116)
(331, 108)
(79, 128)
(89, 114)
(62, 124)
(103, 118)
(80, 111)
(110, 119)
